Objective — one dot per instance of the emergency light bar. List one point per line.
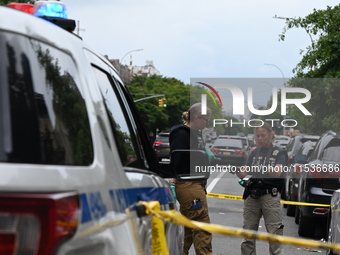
(52, 11)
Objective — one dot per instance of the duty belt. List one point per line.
(272, 191)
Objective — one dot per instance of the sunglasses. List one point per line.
(201, 117)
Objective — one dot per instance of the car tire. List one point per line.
(306, 226)
(297, 215)
(291, 210)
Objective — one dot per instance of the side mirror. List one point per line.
(186, 165)
(300, 159)
(190, 165)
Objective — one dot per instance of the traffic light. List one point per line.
(162, 102)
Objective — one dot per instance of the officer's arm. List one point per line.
(243, 172)
(275, 171)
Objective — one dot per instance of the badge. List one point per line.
(275, 152)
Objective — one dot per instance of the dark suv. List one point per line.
(319, 178)
(162, 146)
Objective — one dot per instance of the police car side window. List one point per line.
(47, 113)
(125, 140)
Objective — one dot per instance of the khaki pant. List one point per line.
(270, 208)
(186, 192)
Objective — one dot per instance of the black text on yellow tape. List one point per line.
(232, 197)
(224, 196)
(177, 218)
(159, 245)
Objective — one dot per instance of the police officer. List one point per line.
(191, 195)
(262, 196)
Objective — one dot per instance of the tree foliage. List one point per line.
(4, 2)
(319, 69)
(179, 98)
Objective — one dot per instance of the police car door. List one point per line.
(136, 155)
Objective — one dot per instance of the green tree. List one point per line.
(179, 98)
(4, 2)
(155, 117)
(320, 61)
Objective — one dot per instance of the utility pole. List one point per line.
(153, 96)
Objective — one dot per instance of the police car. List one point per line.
(74, 156)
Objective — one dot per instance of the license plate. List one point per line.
(167, 149)
(226, 153)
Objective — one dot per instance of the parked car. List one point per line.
(281, 143)
(247, 144)
(334, 221)
(292, 148)
(296, 143)
(282, 137)
(319, 178)
(162, 146)
(293, 176)
(229, 150)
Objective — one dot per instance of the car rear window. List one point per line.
(234, 143)
(163, 139)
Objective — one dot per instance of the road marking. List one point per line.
(214, 182)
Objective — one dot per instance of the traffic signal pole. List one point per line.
(144, 98)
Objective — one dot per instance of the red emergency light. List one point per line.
(22, 7)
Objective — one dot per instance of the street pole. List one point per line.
(284, 81)
(141, 99)
(286, 18)
(121, 61)
(284, 85)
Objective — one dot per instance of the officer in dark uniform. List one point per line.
(262, 196)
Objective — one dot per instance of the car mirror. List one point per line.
(187, 165)
(300, 159)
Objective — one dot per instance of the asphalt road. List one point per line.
(230, 213)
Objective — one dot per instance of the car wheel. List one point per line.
(306, 226)
(297, 214)
(291, 210)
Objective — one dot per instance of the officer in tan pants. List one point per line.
(186, 192)
(191, 195)
(261, 196)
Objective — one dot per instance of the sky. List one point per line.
(188, 39)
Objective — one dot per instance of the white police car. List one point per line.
(74, 157)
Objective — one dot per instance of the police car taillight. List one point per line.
(36, 223)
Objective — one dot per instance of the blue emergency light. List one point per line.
(51, 9)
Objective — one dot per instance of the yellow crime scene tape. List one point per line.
(232, 197)
(175, 217)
